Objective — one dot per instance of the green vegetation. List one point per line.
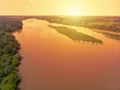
(9, 56)
(74, 35)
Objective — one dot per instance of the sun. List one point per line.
(74, 12)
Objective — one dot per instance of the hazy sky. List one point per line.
(59, 7)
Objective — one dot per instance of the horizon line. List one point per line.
(59, 15)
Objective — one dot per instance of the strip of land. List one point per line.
(74, 35)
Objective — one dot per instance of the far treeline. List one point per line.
(110, 23)
(9, 55)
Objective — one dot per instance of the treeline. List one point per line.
(10, 24)
(96, 22)
(110, 23)
(9, 55)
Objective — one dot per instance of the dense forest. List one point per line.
(9, 55)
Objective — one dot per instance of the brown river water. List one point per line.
(52, 61)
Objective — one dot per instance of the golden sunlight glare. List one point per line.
(74, 12)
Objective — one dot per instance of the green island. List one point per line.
(74, 35)
(9, 53)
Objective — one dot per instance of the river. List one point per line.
(53, 61)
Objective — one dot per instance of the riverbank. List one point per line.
(9, 53)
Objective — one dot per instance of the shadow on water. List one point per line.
(74, 35)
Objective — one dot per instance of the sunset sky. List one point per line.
(59, 7)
